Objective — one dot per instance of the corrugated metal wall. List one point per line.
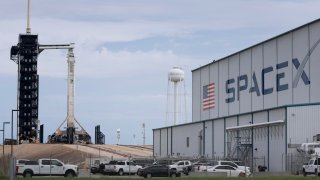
(245, 67)
(277, 141)
(205, 76)
(164, 142)
(303, 123)
(156, 143)
(196, 104)
(260, 140)
(268, 143)
(257, 63)
(314, 64)
(218, 137)
(169, 140)
(208, 139)
(179, 138)
(234, 67)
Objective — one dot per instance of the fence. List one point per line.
(5, 164)
(291, 164)
(7, 167)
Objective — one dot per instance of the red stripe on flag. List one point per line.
(208, 100)
(208, 104)
(208, 108)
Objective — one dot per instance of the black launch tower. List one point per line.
(25, 54)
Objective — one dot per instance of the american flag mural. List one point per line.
(208, 100)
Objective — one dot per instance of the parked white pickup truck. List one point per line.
(312, 167)
(121, 168)
(45, 167)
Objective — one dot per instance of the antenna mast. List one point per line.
(28, 19)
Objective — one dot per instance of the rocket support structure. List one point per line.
(25, 54)
(70, 136)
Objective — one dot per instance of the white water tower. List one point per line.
(176, 76)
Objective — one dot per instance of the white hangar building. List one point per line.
(258, 103)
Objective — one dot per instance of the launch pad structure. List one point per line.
(25, 54)
(70, 135)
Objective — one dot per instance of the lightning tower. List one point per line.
(25, 54)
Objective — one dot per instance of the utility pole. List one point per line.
(144, 134)
(118, 136)
(134, 139)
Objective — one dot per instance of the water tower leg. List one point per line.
(175, 102)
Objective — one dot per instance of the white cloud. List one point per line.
(93, 25)
(105, 64)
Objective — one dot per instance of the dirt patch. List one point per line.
(76, 154)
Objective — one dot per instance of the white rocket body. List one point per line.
(71, 90)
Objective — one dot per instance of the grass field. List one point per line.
(2, 176)
(183, 178)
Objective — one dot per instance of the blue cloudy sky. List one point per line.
(125, 49)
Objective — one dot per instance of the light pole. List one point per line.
(3, 128)
(3, 150)
(12, 130)
(2, 143)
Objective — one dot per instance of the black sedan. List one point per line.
(158, 171)
(97, 169)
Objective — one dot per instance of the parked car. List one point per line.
(246, 169)
(45, 167)
(312, 167)
(163, 162)
(158, 171)
(143, 162)
(184, 166)
(98, 168)
(121, 168)
(229, 170)
(201, 166)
